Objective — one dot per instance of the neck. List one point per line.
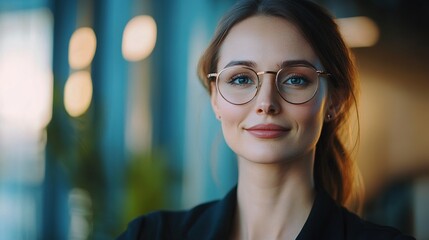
(274, 200)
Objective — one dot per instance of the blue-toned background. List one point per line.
(102, 116)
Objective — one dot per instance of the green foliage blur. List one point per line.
(146, 183)
(73, 147)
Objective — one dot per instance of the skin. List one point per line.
(275, 187)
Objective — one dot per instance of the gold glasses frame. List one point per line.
(276, 73)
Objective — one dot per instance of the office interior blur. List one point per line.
(102, 116)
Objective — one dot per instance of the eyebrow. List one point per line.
(253, 64)
(296, 62)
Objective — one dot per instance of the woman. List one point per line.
(282, 83)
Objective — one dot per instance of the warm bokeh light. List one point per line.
(139, 38)
(358, 31)
(78, 93)
(82, 48)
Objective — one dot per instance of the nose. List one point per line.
(268, 97)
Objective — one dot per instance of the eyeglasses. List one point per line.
(296, 84)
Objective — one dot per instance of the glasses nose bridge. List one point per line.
(259, 74)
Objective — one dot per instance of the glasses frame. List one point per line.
(276, 73)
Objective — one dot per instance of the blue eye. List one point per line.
(296, 81)
(241, 80)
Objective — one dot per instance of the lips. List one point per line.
(267, 131)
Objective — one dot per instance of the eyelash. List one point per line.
(234, 78)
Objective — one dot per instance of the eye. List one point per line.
(241, 80)
(295, 81)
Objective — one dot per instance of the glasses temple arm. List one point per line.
(212, 75)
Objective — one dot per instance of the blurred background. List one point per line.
(102, 117)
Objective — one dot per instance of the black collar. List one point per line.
(325, 220)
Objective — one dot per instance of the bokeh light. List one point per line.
(358, 31)
(25, 96)
(83, 44)
(78, 93)
(80, 210)
(139, 38)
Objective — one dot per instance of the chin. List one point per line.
(265, 157)
(273, 154)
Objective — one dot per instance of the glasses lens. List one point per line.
(237, 85)
(297, 84)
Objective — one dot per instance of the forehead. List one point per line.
(268, 41)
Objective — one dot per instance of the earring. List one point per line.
(329, 117)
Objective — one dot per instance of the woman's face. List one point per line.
(268, 129)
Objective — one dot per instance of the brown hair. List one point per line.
(334, 169)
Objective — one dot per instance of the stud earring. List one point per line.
(329, 117)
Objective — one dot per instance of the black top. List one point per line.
(213, 220)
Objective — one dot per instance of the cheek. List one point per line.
(310, 116)
(231, 115)
(311, 112)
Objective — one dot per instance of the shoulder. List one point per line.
(328, 220)
(165, 224)
(210, 220)
(362, 229)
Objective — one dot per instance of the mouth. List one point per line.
(267, 131)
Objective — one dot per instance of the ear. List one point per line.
(332, 109)
(213, 99)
